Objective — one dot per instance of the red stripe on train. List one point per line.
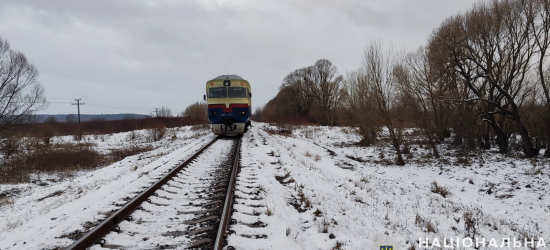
(231, 106)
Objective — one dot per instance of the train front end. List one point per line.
(229, 106)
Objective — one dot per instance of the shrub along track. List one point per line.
(188, 208)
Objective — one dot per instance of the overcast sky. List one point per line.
(131, 56)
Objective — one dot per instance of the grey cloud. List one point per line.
(153, 53)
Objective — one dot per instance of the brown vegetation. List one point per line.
(483, 77)
(102, 126)
(59, 159)
(437, 189)
(197, 112)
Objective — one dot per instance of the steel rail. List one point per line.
(228, 204)
(97, 233)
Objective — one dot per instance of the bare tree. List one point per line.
(378, 65)
(197, 112)
(418, 87)
(539, 14)
(491, 49)
(361, 103)
(328, 85)
(300, 85)
(164, 111)
(20, 92)
(70, 118)
(447, 45)
(315, 91)
(51, 120)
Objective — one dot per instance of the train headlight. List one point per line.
(213, 113)
(242, 112)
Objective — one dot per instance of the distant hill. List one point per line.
(84, 118)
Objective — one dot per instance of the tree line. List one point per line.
(483, 75)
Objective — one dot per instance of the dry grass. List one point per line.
(268, 211)
(281, 179)
(5, 201)
(534, 171)
(338, 245)
(301, 203)
(443, 191)
(288, 231)
(471, 223)
(426, 225)
(119, 154)
(317, 158)
(60, 159)
(280, 129)
(318, 213)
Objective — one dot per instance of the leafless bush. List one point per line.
(173, 134)
(43, 133)
(164, 111)
(155, 134)
(197, 112)
(11, 145)
(133, 135)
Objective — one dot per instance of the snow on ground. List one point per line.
(40, 215)
(328, 194)
(313, 189)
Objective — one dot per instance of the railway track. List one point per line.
(189, 208)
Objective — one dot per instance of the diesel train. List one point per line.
(229, 106)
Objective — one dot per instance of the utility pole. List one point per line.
(156, 112)
(78, 103)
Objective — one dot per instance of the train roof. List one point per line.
(224, 77)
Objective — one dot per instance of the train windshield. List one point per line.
(236, 92)
(217, 93)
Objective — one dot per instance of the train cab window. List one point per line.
(236, 92)
(217, 93)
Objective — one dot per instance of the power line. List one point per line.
(118, 104)
(108, 106)
(99, 101)
(104, 104)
